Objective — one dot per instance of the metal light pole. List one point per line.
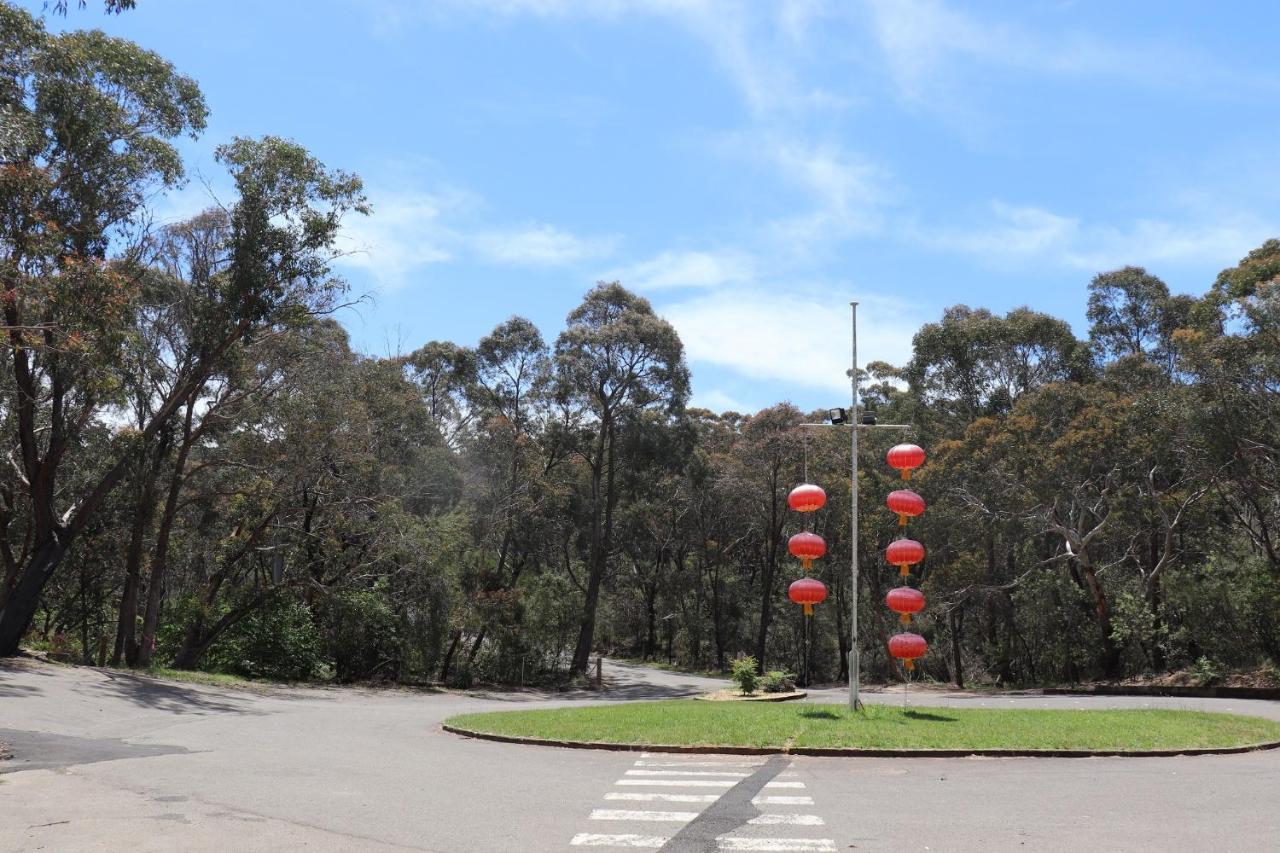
(855, 663)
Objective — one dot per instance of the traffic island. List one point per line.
(692, 726)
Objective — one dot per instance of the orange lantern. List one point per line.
(904, 553)
(904, 601)
(905, 457)
(905, 503)
(807, 546)
(806, 498)
(807, 591)
(907, 648)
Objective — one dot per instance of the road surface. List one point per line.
(109, 762)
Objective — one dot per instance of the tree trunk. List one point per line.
(20, 606)
(143, 512)
(766, 579)
(447, 663)
(1102, 613)
(601, 541)
(955, 621)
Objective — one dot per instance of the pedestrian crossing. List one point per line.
(658, 802)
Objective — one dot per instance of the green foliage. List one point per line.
(777, 681)
(1206, 672)
(362, 634)
(277, 642)
(745, 674)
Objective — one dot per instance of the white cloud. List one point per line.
(849, 191)
(1146, 242)
(405, 233)
(718, 401)
(410, 231)
(1015, 235)
(686, 269)
(922, 39)
(757, 44)
(538, 246)
(799, 339)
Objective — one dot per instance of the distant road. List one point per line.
(105, 761)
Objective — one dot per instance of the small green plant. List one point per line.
(1205, 672)
(744, 675)
(777, 681)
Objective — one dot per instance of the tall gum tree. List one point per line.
(87, 124)
(615, 358)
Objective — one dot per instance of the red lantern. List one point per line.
(905, 503)
(807, 546)
(904, 601)
(807, 591)
(907, 647)
(904, 553)
(806, 498)
(904, 457)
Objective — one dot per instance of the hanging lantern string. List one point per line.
(806, 455)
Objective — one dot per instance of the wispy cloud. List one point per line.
(799, 339)
(411, 231)
(849, 191)
(923, 42)
(405, 233)
(758, 44)
(718, 401)
(678, 269)
(1013, 235)
(538, 246)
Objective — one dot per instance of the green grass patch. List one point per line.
(797, 724)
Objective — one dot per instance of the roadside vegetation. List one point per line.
(203, 474)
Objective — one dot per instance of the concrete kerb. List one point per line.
(855, 752)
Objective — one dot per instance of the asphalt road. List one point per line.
(111, 762)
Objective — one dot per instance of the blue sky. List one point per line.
(749, 166)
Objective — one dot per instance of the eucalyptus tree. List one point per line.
(87, 121)
(975, 363)
(614, 359)
(93, 116)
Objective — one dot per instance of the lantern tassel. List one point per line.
(910, 664)
(904, 569)
(806, 563)
(902, 520)
(808, 610)
(906, 618)
(906, 473)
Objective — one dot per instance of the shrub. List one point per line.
(1206, 672)
(278, 641)
(744, 674)
(777, 681)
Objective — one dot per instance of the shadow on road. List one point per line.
(45, 751)
(161, 696)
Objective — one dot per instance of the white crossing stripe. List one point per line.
(590, 839)
(678, 783)
(771, 845)
(787, 819)
(627, 814)
(643, 763)
(777, 801)
(679, 798)
(778, 844)
(687, 773)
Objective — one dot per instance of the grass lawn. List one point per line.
(793, 724)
